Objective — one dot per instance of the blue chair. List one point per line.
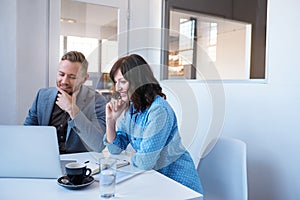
(223, 171)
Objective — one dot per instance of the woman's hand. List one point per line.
(114, 109)
(113, 112)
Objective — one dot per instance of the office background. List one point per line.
(263, 114)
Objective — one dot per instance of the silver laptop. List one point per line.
(29, 152)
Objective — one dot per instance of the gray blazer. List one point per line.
(85, 132)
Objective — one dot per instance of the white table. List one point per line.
(147, 185)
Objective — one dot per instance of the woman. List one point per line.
(148, 123)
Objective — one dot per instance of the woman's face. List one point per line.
(121, 85)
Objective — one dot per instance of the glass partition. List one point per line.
(93, 30)
(198, 42)
(228, 39)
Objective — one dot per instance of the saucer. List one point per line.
(64, 181)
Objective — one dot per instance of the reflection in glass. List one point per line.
(198, 43)
(91, 29)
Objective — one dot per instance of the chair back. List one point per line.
(223, 171)
(198, 125)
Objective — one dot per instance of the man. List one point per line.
(77, 111)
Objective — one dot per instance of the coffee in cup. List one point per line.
(77, 172)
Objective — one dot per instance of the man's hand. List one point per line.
(67, 102)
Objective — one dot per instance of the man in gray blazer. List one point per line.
(77, 111)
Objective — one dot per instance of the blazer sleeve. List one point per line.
(32, 118)
(41, 108)
(89, 124)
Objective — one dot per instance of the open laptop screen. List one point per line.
(29, 152)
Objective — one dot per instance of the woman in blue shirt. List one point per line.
(143, 118)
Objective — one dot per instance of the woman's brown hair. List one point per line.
(143, 86)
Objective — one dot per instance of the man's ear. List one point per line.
(86, 77)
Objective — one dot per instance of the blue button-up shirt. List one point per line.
(154, 136)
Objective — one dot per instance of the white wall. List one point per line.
(32, 51)
(8, 82)
(23, 52)
(145, 32)
(264, 115)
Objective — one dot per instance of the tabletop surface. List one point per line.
(145, 185)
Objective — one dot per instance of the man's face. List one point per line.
(69, 78)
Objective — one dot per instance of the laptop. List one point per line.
(29, 152)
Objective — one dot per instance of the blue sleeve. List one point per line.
(119, 144)
(156, 134)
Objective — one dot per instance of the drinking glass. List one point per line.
(107, 180)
